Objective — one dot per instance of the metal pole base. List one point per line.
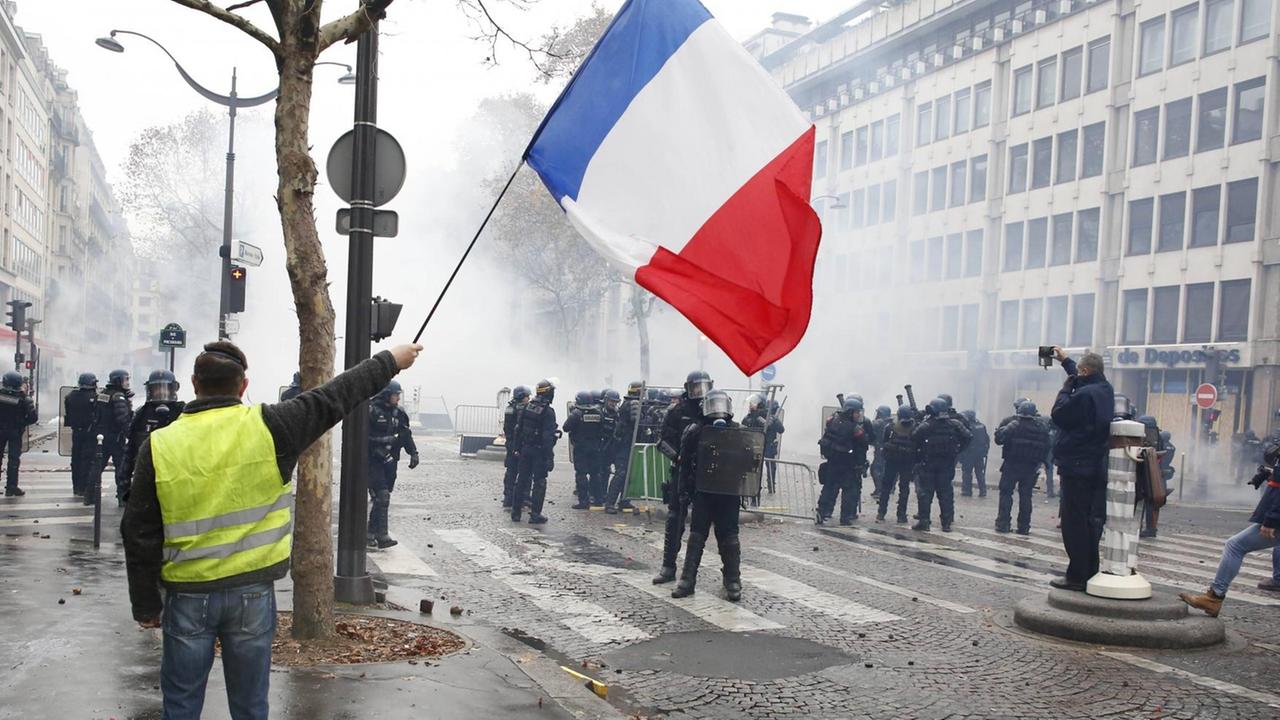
(1119, 587)
(357, 590)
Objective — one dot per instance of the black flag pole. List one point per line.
(471, 246)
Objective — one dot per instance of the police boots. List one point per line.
(731, 556)
(692, 559)
(667, 574)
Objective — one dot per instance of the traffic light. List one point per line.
(18, 315)
(382, 320)
(235, 301)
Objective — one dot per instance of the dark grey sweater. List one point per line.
(294, 425)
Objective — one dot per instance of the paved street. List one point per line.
(869, 621)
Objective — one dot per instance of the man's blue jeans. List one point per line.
(244, 620)
(1242, 543)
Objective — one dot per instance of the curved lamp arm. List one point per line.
(233, 101)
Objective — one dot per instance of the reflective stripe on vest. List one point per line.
(225, 507)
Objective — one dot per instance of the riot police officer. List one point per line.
(939, 440)
(1025, 440)
(389, 434)
(624, 434)
(294, 389)
(762, 415)
(973, 460)
(584, 427)
(510, 418)
(115, 416)
(537, 433)
(16, 413)
(610, 400)
(900, 458)
(80, 413)
(714, 491)
(844, 445)
(161, 408)
(688, 411)
(884, 418)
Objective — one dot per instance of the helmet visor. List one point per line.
(717, 405)
(162, 392)
(698, 389)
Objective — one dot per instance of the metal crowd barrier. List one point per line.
(649, 469)
(792, 491)
(477, 420)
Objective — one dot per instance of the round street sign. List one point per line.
(1206, 395)
(769, 373)
(389, 166)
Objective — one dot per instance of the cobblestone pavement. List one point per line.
(869, 621)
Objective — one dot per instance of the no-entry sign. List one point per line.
(1206, 395)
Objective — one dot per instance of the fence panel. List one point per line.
(483, 420)
(788, 489)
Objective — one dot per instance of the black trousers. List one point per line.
(843, 479)
(899, 473)
(1083, 513)
(512, 464)
(531, 479)
(618, 483)
(12, 448)
(936, 480)
(720, 511)
(586, 468)
(113, 452)
(971, 468)
(1022, 478)
(382, 481)
(677, 515)
(84, 444)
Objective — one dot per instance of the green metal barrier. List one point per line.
(649, 470)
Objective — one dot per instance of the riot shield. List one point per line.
(64, 432)
(729, 460)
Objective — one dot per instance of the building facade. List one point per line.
(1001, 175)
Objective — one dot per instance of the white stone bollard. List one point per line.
(1118, 576)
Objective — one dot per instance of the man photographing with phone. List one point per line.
(1082, 412)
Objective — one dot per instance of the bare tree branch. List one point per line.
(236, 21)
(242, 5)
(350, 27)
(492, 32)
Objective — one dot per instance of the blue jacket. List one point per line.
(1082, 412)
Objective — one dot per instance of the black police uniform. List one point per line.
(537, 431)
(81, 415)
(389, 435)
(844, 447)
(1024, 440)
(973, 461)
(294, 389)
(772, 427)
(900, 459)
(585, 426)
(708, 510)
(939, 440)
(599, 488)
(153, 415)
(624, 432)
(115, 416)
(16, 413)
(687, 413)
(878, 428)
(510, 419)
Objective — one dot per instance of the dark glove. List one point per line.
(413, 461)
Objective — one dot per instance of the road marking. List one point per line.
(1019, 584)
(982, 562)
(888, 587)
(39, 522)
(581, 616)
(1268, 647)
(1211, 683)
(1207, 561)
(1214, 553)
(399, 560)
(69, 505)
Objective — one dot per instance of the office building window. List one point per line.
(1072, 73)
(890, 201)
(820, 159)
(955, 256)
(1095, 141)
(938, 198)
(1212, 126)
(1022, 90)
(860, 146)
(982, 104)
(920, 196)
(1013, 247)
(1082, 320)
(1037, 239)
(1087, 222)
(1060, 249)
(891, 136)
(964, 107)
(846, 150)
(1242, 210)
(873, 205)
(1182, 34)
(934, 271)
(1218, 15)
(1173, 223)
(969, 326)
(1233, 311)
(842, 212)
(1133, 328)
(1067, 152)
(1247, 113)
(950, 327)
(1205, 205)
(1099, 65)
(1151, 46)
(877, 140)
(1197, 323)
(917, 260)
(1255, 19)
(1018, 168)
(1041, 162)
(1164, 314)
(1055, 320)
(942, 117)
(1140, 221)
(1047, 82)
(859, 208)
(959, 176)
(1008, 323)
(1032, 316)
(1146, 136)
(978, 178)
(1177, 128)
(924, 124)
(973, 253)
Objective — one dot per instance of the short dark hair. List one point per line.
(220, 369)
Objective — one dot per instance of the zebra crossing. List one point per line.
(48, 501)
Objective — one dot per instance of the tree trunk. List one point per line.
(642, 328)
(308, 276)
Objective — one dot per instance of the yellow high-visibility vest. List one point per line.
(226, 510)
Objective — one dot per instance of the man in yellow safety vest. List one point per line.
(210, 518)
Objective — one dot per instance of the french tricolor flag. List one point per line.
(680, 160)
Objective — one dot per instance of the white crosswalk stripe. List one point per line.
(400, 560)
(889, 587)
(1185, 557)
(46, 521)
(8, 508)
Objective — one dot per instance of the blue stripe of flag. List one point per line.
(643, 35)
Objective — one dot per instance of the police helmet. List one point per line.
(1019, 401)
(1149, 421)
(944, 397)
(546, 390)
(1027, 409)
(162, 386)
(970, 415)
(583, 398)
(697, 384)
(634, 388)
(883, 412)
(522, 392)
(119, 378)
(906, 413)
(855, 396)
(1165, 436)
(851, 406)
(611, 397)
(12, 380)
(596, 395)
(87, 381)
(717, 405)
(755, 402)
(297, 379)
(1123, 408)
(392, 388)
(936, 407)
